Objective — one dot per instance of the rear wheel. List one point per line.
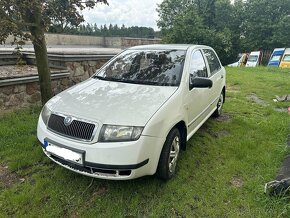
(169, 155)
(219, 107)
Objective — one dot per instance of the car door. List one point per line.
(216, 74)
(197, 98)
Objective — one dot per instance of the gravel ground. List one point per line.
(17, 71)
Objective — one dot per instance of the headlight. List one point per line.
(110, 133)
(45, 114)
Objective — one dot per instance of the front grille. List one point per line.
(77, 129)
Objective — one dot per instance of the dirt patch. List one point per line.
(224, 117)
(233, 89)
(253, 97)
(221, 133)
(7, 178)
(236, 182)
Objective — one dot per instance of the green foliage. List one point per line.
(266, 24)
(230, 28)
(200, 22)
(20, 16)
(221, 174)
(103, 30)
(63, 15)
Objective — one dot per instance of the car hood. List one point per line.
(112, 102)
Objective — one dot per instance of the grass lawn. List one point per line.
(221, 174)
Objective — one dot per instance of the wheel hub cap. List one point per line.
(174, 151)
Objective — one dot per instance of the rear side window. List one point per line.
(213, 61)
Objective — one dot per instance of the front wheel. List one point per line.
(169, 155)
(219, 107)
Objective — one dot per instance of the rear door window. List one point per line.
(213, 61)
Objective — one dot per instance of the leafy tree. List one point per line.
(168, 11)
(113, 30)
(228, 27)
(281, 34)
(266, 24)
(35, 17)
(63, 15)
(200, 22)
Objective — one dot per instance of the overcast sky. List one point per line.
(128, 12)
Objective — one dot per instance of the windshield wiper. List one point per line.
(105, 78)
(141, 82)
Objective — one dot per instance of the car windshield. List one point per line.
(149, 67)
(253, 58)
(286, 58)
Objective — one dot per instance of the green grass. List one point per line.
(248, 148)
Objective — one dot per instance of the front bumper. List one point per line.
(116, 161)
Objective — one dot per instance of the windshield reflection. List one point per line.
(157, 67)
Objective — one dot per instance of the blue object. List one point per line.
(45, 144)
(276, 57)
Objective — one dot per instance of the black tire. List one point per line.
(219, 106)
(167, 164)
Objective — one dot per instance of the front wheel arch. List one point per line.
(169, 155)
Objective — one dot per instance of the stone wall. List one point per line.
(82, 70)
(110, 42)
(15, 96)
(62, 39)
(27, 94)
(129, 42)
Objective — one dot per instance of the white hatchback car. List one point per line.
(135, 114)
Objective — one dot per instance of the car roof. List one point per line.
(279, 49)
(164, 47)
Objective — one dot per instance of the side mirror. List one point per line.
(200, 82)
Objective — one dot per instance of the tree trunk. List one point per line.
(39, 44)
(40, 49)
